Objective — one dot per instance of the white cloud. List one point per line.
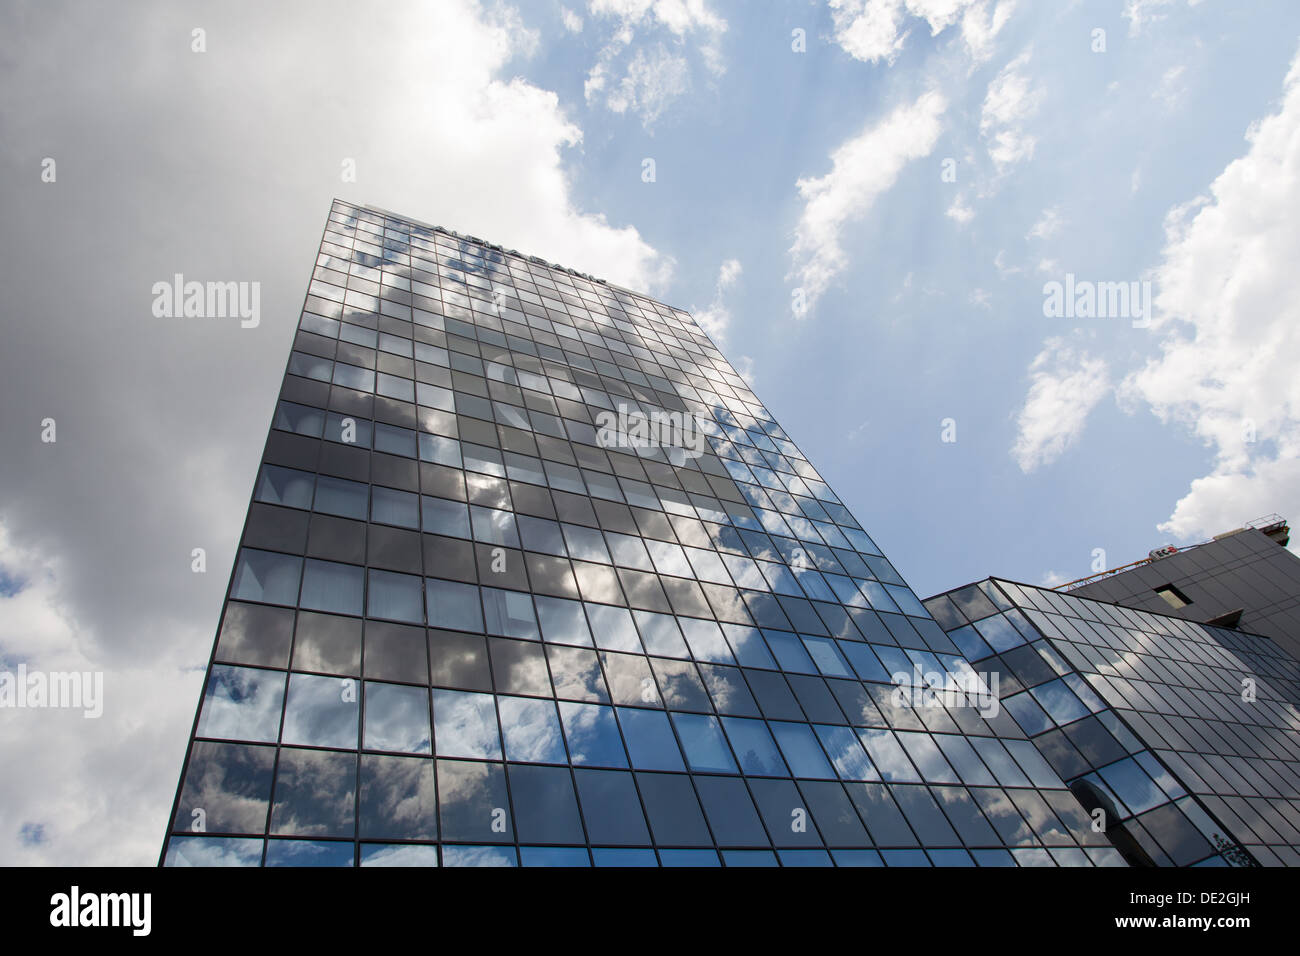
(1011, 100)
(716, 317)
(1048, 224)
(874, 30)
(1141, 13)
(572, 22)
(868, 29)
(649, 81)
(862, 168)
(1228, 307)
(1171, 90)
(498, 144)
(982, 299)
(980, 27)
(960, 211)
(1065, 386)
(905, 287)
(654, 79)
(1053, 579)
(728, 274)
(679, 16)
(69, 777)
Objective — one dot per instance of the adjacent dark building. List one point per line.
(1244, 579)
(531, 577)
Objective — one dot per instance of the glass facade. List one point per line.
(1182, 738)
(531, 577)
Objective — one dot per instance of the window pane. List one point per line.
(630, 680)
(442, 451)
(754, 747)
(392, 386)
(702, 740)
(706, 640)
(397, 799)
(563, 621)
(300, 419)
(310, 366)
(586, 544)
(395, 344)
(395, 597)
(546, 810)
(398, 854)
(748, 646)
(789, 650)
(266, 576)
(231, 784)
(846, 753)
(674, 812)
(628, 551)
(335, 496)
(650, 740)
(357, 335)
(484, 460)
(473, 803)
(465, 725)
(826, 655)
(576, 673)
(538, 534)
(285, 486)
(445, 517)
(327, 586)
(887, 756)
(322, 711)
(242, 703)
(454, 606)
(397, 718)
(389, 506)
(509, 614)
(531, 730)
(592, 735)
(611, 808)
(926, 756)
(494, 527)
(613, 628)
(801, 750)
(669, 559)
(315, 793)
(350, 376)
(660, 634)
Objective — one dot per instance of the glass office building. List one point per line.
(531, 577)
(1183, 737)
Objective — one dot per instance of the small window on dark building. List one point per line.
(1173, 597)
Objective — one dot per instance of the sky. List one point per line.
(867, 204)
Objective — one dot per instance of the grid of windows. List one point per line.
(1186, 735)
(478, 618)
